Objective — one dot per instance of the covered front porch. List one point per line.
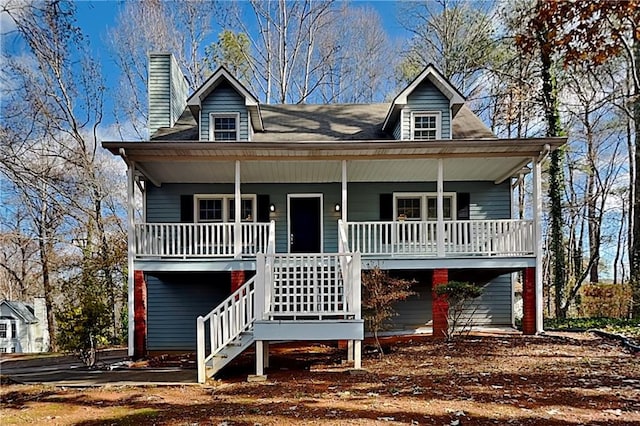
(358, 187)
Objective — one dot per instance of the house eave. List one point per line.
(185, 150)
(319, 162)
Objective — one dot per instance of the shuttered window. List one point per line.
(222, 207)
(423, 206)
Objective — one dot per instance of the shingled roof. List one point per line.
(317, 123)
(21, 309)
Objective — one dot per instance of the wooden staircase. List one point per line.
(310, 296)
(229, 331)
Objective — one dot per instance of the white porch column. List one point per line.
(130, 252)
(259, 358)
(237, 241)
(357, 354)
(343, 206)
(260, 283)
(440, 209)
(537, 230)
(265, 349)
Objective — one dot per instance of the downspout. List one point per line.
(546, 150)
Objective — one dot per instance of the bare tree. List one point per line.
(356, 56)
(53, 160)
(285, 65)
(456, 36)
(149, 26)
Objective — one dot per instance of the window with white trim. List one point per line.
(409, 208)
(224, 126)
(432, 207)
(3, 330)
(221, 208)
(423, 206)
(425, 126)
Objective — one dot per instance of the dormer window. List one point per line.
(224, 126)
(425, 126)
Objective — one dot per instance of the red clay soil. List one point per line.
(479, 380)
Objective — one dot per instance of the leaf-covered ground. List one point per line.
(480, 380)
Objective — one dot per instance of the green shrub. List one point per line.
(83, 328)
(458, 295)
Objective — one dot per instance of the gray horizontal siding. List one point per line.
(159, 92)
(416, 311)
(492, 308)
(179, 91)
(224, 99)
(397, 130)
(174, 301)
(163, 205)
(488, 201)
(426, 98)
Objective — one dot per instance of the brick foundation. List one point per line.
(529, 301)
(439, 304)
(139, 315)
(237, 280)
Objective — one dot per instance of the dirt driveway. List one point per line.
(480, 380)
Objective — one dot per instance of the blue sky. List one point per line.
(96, 17)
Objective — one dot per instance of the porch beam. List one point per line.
(237, 241)
(517, 170)
(440, 209)
(343, 206)
(537, 230)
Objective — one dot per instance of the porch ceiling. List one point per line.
(375, 161)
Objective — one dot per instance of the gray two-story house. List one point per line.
(258, 219)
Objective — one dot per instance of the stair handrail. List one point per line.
(234, 316)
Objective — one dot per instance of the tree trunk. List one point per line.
(634, 254)
(550, 102)
(44, 244)
(593, 221)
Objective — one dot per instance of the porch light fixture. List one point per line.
(337, 207)
(272, 208)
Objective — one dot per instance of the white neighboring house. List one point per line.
(23, 327)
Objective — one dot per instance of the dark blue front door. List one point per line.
(305, 223)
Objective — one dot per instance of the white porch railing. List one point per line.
(200, 239)
(234, 316)
(224, 324)
(461, 237)
(310, 286)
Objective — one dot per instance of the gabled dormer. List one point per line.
(425, 109)
(224, 109)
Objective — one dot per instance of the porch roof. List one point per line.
(373, 160)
